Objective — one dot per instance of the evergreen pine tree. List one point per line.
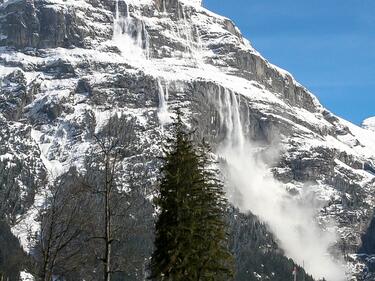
(191, 239)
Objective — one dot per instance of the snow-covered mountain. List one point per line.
(67, 66)
(369, 124)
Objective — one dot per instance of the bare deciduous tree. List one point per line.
(61, 226)
(91, 224)
(111, 147)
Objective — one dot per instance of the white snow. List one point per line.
(139, 2)
(6, 156)
(163, 114)
(25, 276)
(369, 124)
(124, 26)
(192, 2)
(366, 139)
(28, 225)
(4, 71)
(101, 118)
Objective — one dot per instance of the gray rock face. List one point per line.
(14, 95)
(64, 70)
(22, 171)
(38, 24)
(21, 24)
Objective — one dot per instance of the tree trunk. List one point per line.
(49, 276)
(108, 234)
(108, 247)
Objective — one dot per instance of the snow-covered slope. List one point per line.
(66, 66)
(369, 124)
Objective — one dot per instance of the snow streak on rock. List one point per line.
(230, 118)
(163, 114)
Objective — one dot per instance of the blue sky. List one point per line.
(328, 46)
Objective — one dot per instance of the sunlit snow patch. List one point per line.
(369, 124)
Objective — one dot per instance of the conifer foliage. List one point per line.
(191, 238)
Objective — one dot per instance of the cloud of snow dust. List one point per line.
(292, 218)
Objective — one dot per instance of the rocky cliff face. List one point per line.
(66, 66)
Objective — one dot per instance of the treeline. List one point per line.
(257, 254)
(103, 225)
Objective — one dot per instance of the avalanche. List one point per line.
(146, 58)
